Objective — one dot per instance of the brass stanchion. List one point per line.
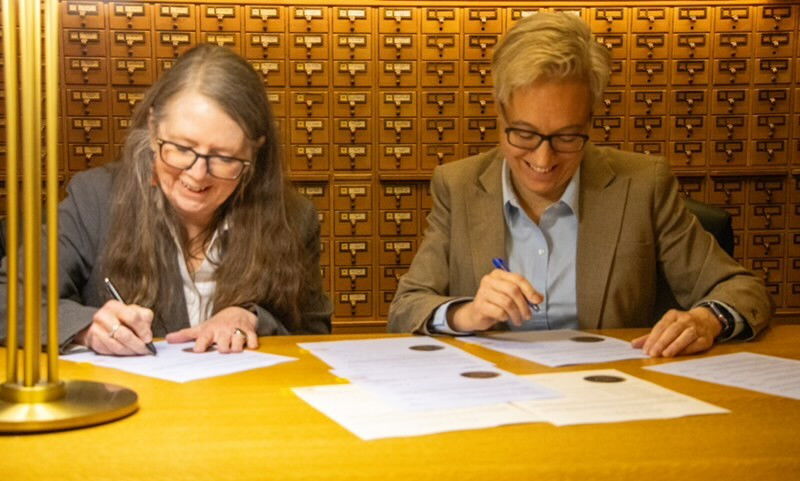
(31, 404)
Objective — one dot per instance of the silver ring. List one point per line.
(239, 332)
(114, 330)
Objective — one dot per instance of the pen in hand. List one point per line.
(115, 294)
(500, 264)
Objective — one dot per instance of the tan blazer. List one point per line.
(633, 229)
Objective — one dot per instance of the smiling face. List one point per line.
(540, 176)
(195, 121)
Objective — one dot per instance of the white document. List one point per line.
(562, 347)
(608, 395)
(375, 356)
(757, 372)
(422, 373)
(369, 417)
(177, 362)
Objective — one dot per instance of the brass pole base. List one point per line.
(84, 403)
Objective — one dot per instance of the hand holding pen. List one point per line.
(502, 296)
(116, 295)
(119, 329)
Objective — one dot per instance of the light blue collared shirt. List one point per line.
(532, 253)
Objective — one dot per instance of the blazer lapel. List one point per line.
(602, 204)
(485, 221)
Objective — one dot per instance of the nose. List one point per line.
(199, 169)
(542, 155)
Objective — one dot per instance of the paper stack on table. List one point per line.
(412, 386)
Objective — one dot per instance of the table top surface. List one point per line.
(250, 425)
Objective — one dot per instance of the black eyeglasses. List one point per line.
(183, 157)
(531, 140)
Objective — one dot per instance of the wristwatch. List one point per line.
(723, 316)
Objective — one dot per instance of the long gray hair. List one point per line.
(261, 259)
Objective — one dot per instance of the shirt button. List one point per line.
(541, 252)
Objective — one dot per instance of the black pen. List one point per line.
(115, 294)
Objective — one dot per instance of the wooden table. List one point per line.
(250, 426)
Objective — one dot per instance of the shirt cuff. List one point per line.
(439, 324)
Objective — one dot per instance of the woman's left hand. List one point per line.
(231, 329)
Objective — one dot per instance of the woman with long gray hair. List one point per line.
(196, 227)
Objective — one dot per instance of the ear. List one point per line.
(260, 142)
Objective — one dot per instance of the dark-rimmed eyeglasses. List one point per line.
(531, 140)
(184, 157)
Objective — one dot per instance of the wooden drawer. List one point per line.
(649, 72)
(727, 190)
(480, 130)
(390, 276)
(773, 71)
(309, 46)
(443, 46)
(352, 252)
(733, 45)
(127, 71)
(732, 71)
(614, 103)
(85, 156)
(220, 18)
(352, 304)
(691, 45)
(766, 190)
(768, 126)
(776, 17)
(648, 102)
(173, 44)
(769, 152)
(352, 223)
(124, 100)
(353, 157)
(439, 103)
(84, 43)
(396, 251)
(689, 102)
(86, 71)
(441, 19)
(774, 44)
(88, 130)
(352, 131)
(730, 101)
(353, 278)
(687, 153)
(650, 19)
(130, 16)
(309, 19)
(483, 20)
(688, 127)
(398, 223)
(398, 104)
(83, 14)
(690, 72)
(648, 127)
(398, 157)
(765, 244)
(728, 153)
(480, 46)
(309, 158)
(317, 192)
(437, 154)
(439, 74)
(477, 73)
(310, 104)
(650, 148)
(771, 100)
(398, 20)
(352, 19)
(87, 101)
(264, 18)
(440, 130)
(649, 46)
(733, 18)
(398, 130)
(352, 46)
(134, 43)
(692, 19)
(352, 196)
(397, 74)
(175, 17)
(309, 73)
(398, 195)
(352, 73)
(766, 216)
(608, 19)
(265, 45)
(351, 103)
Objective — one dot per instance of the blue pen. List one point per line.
(500, 264)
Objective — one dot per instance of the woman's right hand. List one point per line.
(118, 329)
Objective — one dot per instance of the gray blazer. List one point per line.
(634, 232)
(84, 221)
